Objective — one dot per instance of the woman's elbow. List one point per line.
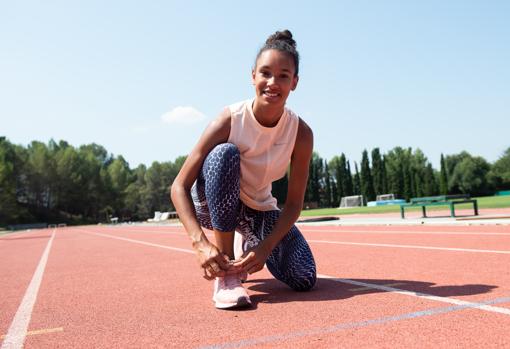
(294, 207)
(176, 190)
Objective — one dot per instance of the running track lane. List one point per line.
(15, 337)
(329, 306)
(20, 253)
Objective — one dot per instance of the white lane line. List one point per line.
(138, 242)
(369, 288)
(15, 337)
(409, 246)
(250, 342)
(347, 281)
(417, 294)
(207, 233)
(157, 232)
(391, 232)
(15, 234)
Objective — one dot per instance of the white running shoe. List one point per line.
(229, 293)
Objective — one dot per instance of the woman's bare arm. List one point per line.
(216, 132)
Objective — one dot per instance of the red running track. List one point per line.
(140, 287)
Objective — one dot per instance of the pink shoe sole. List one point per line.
(242, 302)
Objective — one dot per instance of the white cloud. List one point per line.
(182, 115)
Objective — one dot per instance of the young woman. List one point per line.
(225, 183)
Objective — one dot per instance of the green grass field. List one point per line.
(483, 202)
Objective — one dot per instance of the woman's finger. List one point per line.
(221, 262)
(206, 275)
(255, 268)
(210, 272)
(250, 266)
(245, 261)
(214, 266)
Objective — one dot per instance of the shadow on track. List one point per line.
(274, 291)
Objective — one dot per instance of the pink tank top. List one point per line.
(265, 153)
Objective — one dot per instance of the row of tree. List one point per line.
(57, 182)
(404, 173)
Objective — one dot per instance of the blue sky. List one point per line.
(433, 75)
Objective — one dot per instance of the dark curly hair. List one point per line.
(283, 42)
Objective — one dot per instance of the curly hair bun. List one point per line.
(283, 42)
(284, 35)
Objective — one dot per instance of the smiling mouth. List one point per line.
(271, 94)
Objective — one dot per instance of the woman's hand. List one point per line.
(212, 260)
(254, 259)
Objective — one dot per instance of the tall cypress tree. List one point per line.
(327, 185)
(349, 185)
(319, 179)
(384, 176)
(334, 195)
(356, 183)
(443, 178)
(337, 173)
(314, 187)
(367, 185)
(310, 186)
(429, 185)
(343, 186)
(377, 172)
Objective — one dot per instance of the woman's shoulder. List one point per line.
(238, 108)
(304, 131)
(303, 128)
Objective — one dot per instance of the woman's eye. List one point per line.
(266, 74)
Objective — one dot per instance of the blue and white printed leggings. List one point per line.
(216, 198)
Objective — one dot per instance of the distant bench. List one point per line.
(442, 200)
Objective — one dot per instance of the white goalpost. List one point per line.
(351, 201)
(384, 197)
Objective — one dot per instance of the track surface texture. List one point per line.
(379, 286)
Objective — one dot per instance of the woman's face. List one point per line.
(274, 78)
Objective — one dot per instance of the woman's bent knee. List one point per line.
(225, 151)
(304, 284)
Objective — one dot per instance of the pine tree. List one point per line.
(9, 210)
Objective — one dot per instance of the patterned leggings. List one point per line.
(216, 198)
